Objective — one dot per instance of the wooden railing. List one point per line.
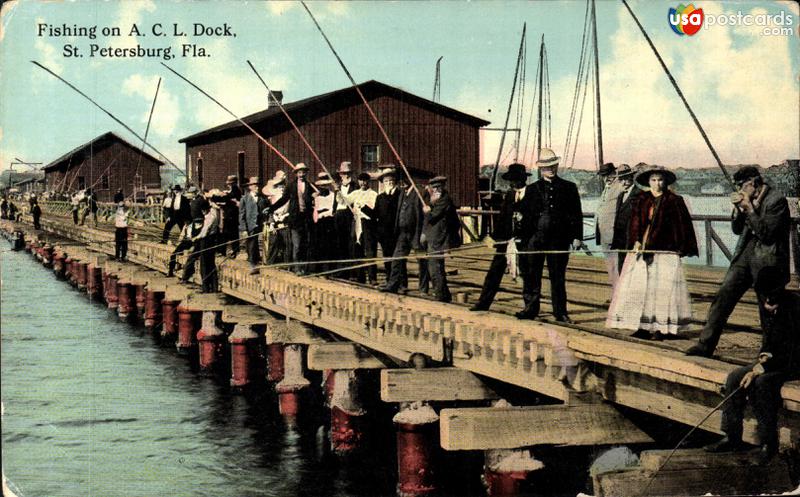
(105, 210)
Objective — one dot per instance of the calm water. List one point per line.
(94, 407)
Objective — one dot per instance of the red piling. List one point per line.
(210, 341)
(417, 440)
(152, 308)
(244, 349)
(169, 309)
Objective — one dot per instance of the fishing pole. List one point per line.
(146, 131)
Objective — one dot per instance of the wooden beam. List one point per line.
(341, 355)
(408, 385)
(246, 314)
(514, 427)
(292, 332)
(205, 301)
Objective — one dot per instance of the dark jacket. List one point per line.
(671, 228)
(781, 336)
(250, 212)
(196, 207)
(184, 212)
(385, 213)
(296, 218)
(551, 214)
(409, 216)
(765, 235)
(623, 220)
(229, 206)
(442, 227)
(505, 227)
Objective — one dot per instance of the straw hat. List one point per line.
(643, 178)
(231, 179)
(344, 167)
(437, 180)
(624, 170)
(300, 166)
(547, 158)
(388, 171)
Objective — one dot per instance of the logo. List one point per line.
(686, 20)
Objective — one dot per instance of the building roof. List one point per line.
(312, 107)
(100, 141)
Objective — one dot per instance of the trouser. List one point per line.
(387, 243)
(299, 237)
(323, 245)
(764, 394)
(185, 244)
(121, 243)
(612, 266)
(188, 267)
(438, 274)
(491, 284)
(737, 281)
(424, 272)
(398, 275)
(253, 250)
(208, 264)
(280, 246)
(168, 227)
(36, 218)
(75, 216)
(85, 213)
(366, 249)
(531, 266)
(345, 240)
(229, 237)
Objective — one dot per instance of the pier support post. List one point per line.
(274, 362)
(94, 281)
(152, 308)
(169, 331)
(210, 340)
(69, 270)
(47, 254)
(81, 274)
(505, 471)
(244, 350)
(417, 437)
(112, 293)
(125, 300)
(140, 300)
(347, 413)
(59, 266)
(188, 326)
(291, 388)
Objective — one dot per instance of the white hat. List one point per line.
(547, 158)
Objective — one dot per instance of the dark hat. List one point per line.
(364, 177)
(606, 169)
(177, 188)
(231, 179)
(745, 173)
(643, 178)
(624, 170)
(515, 171)
(437, 180)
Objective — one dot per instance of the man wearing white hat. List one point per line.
(250, 221)
(323, 235)
(345, 241)
(551, 220)
(279, 239)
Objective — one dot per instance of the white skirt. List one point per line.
(654, 297)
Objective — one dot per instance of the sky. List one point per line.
(743, 85)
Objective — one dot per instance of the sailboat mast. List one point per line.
(597, 90)
(539, 111)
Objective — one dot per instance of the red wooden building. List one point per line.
(430, 138)
(104, 164)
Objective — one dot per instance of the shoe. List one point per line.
(699, 350)
(725, 445)
(642, 334)
(564, 319)
(764, 454)
(525, 315)
(254, 270)
(479, 307)
(657, 336)
(386, 289)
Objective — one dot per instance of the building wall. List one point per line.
(425, 140)
(118, 161)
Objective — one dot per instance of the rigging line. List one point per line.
(521, 100)
(680, 94)
(508, 114)
(576, 95)
(530, 119)
(112, 116)
(594, 119)
(304, 140)
(366, 104)
(147, 129)
(549, 116)
(580, 118)
(599, 128)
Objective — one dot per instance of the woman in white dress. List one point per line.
(651, 295)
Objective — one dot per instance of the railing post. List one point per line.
(709, 243)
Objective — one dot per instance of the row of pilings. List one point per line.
(241, 354)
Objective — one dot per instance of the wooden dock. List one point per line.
(586, 370)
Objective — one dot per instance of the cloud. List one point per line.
(166, 112)
(321, 10)
(49, 56)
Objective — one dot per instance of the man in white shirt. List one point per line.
(363, 232)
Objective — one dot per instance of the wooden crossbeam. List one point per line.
(341, 355)
(246, 314)
(292, 332)
(408, 385)
(205, 301)
(514, 427)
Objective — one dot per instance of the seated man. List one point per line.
(778, 362)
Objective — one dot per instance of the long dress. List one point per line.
(651, 292)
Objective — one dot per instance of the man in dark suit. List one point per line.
(551, 220)
(343, 218)
(622, 221)
(298, 194)
(408, 228)
(386, 214)
(251, 221)
(441, 231)
(229, 202)
(761, 218)
(778, 362)
(504, 231)
(178, 213)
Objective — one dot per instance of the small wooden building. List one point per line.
(429, 137)
(104, 164)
